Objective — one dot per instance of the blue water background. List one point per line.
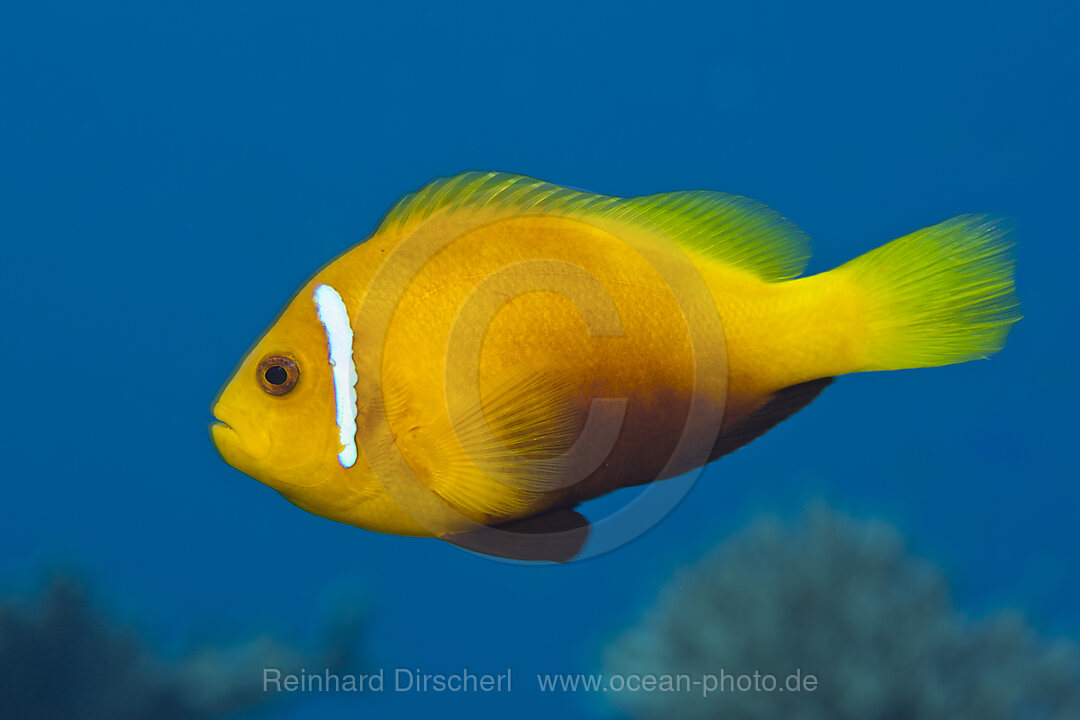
(171, 173)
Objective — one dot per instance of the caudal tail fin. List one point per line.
(938, 296)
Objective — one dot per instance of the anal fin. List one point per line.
(781, 405)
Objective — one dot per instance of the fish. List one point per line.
(503, 349)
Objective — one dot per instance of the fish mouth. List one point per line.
(223, 434)
(234, 436)
(219, 421)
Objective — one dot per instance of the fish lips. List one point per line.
(238, 438)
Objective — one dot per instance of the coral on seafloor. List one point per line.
(60, 658)
(843, 603)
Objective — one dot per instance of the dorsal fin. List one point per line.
(731, 228)
(476, 189)
(728, 228)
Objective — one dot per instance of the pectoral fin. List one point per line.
(556, 536)
(496, 460)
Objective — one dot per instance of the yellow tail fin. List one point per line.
(938, 296)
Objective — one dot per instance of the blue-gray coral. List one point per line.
(61, 659)
(841, 601)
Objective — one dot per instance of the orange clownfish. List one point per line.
(502, 349)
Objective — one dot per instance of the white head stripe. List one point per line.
(339, 339)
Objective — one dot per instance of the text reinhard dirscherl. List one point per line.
(397, 680)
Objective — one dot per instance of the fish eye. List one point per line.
(277, 374)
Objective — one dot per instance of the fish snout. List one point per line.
(238, 436)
